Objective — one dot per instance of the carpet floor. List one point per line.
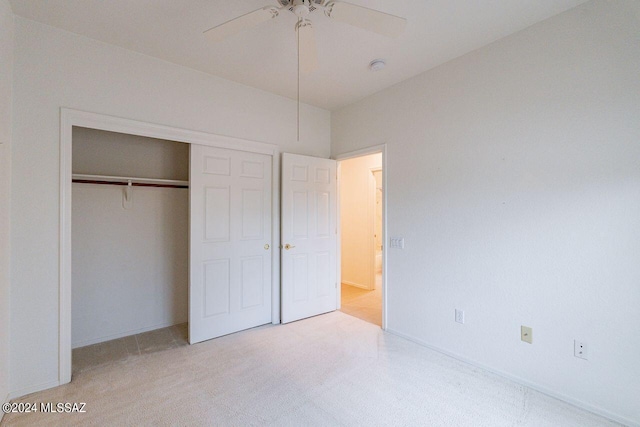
(329, 370)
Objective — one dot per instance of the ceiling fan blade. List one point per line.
(241, 23)
(307, 48)
(367, 19)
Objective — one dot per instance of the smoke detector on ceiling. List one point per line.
(377, 64)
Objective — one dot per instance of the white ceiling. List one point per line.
(265, 56)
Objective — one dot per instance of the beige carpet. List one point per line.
(328, 370)
(97, 355)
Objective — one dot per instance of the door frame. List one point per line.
(70, 118)
(372, 179)
(375, 149)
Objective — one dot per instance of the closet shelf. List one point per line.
(125, 180)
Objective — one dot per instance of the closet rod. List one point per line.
(124, 181)
(133, 184)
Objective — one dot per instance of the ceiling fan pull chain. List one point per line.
(359, 16)
(298, 37)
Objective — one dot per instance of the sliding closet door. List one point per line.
(231, 247)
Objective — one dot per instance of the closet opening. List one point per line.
(130, 246)
(361, 235)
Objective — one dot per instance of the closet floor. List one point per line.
(108, 352)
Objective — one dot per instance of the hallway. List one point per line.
(363, 304)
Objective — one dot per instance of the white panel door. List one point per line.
(309, 237)
(230, 267)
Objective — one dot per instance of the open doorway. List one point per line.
(361, 233)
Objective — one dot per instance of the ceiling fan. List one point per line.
(362, 17)
(358, 16)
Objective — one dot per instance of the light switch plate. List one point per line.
(526, 334)
(397, 242)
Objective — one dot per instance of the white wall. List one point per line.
(56, 69)
(6, 82)
(357, 200)
(130, 266)
(97, 152)
(514, 175)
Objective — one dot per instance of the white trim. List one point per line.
(382, 148)
(338, 239)
(374, 149)
(275, 239)
(28, 390)
(6, 399)
(372, 222)
(67, 121)
(578, 403)
(152, 130)
(70, 118)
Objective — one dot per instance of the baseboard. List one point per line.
(6, 399)
(575, 402)
(123, 334)
(356, 285)
(32, 389)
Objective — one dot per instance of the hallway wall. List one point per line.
(357, 199)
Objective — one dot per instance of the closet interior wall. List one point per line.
(130, 253)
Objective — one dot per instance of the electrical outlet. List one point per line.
(580, 349)
(526, 334)
(459, 316)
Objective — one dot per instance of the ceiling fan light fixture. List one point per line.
(358, 16)
(301, 10)
(377, 64)
(286, 3)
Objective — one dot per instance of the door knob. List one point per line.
(288, 246)
(266, 247)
